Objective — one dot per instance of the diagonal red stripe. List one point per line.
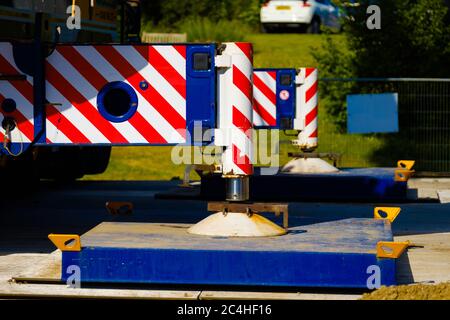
(26, 90)
(167, 71)
(7, 68)
(24, 125)
(310, 92)
(266, 116)
(243, 162)
(88, 71)
(65, 126)
(97, 80)
(151, 94)
(308, 72)
(181, 50)
(241, 121)
(24, 87)
(242, 83)
(311, 116)
(247, 49)
(146, 129)
(269, 93)
(83, 105)
(273, 74)
(314, 134)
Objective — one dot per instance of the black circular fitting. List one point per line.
(117, 101)
(8, 123)
(9, 105)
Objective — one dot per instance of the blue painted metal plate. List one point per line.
(364, 184)
(328, 254)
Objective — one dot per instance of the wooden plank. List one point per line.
(164, 37)
(62, 291)
(236, 295)
(45, 267)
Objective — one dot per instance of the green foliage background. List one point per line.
(414, 41)
(168, 14)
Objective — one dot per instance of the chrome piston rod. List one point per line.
(238, 188)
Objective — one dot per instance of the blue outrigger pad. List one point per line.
(365, 184)
(328, 254)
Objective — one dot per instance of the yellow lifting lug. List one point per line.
(387, 213)
(66, 242)
(403, 175)
(404, 170)
(119, 207)
(391, 249)
(405, 164)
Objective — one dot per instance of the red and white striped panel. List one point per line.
(238, 154)
(76, 74)
(309, 107)
(21, 91)
(264, 98)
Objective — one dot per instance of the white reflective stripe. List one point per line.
(267, 79)
(174, 58)
(83, 124)
(54, 134)
(264, 102)
(258, 120)
(17, 136)
(23, 105)
(165, 129)
(6, 50)
(154, 78)
(82, 85)
(148, 112)
(240, 140)
(242, 107)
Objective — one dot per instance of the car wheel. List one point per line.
(314, 26)
(265, 28)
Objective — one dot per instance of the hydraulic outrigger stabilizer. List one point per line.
(235, 245)
(287, 99)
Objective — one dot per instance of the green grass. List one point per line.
(286, 50)
(140, 163)
(270, 50)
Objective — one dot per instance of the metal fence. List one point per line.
(424, 126)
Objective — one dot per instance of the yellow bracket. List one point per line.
(389, 213)
(117, 207)
(403, 175)
(393, 250)
(404, 170)
(406, 164)
(66, 242)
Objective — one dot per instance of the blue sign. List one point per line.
(372, 113)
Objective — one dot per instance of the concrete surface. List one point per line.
(444, 196)
(427, 188)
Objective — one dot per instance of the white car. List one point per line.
(309, 14)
